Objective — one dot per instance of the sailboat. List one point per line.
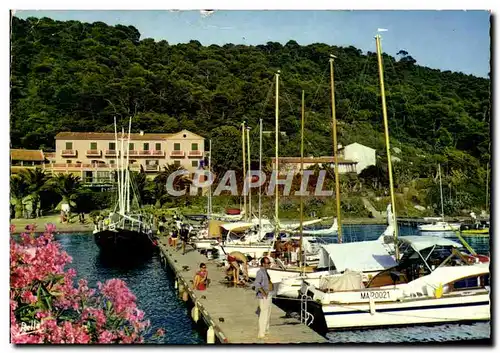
(442, 225)
(434, 282)
(334, 228)
(124, 230)
(330, 258)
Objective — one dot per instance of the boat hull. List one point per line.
(411, 312)
(123, 240)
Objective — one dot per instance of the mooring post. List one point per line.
(211, 335)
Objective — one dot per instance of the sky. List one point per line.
(446, 40)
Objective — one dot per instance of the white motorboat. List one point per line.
(439, 226)
(433, 283)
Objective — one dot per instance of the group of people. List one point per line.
(180, 230)
(288, 251)
(263, 286)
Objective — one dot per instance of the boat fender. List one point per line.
(438, 293)
(185, 296)
(195, 313)
(372, 306)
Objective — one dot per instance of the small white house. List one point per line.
(363, 155)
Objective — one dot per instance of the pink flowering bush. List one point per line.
(46, 307)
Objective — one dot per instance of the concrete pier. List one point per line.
(229, 312)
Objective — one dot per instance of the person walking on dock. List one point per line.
(184, 233)
(264, 288)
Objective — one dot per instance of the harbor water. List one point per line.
(154, 289)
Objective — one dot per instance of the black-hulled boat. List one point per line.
(125, 231)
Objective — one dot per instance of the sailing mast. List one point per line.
(335, 151)
(249, 180)
(441, 190)
(117, 169)
(260, 173)
(122, 201)
(387, 144)
(244, 170)
(127, 180)
(487, 180)
(209, 204)
(301, 229)
(276, 213)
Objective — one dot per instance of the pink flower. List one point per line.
(37, 261)
(106, 337)
(28, 297)
(50, 228)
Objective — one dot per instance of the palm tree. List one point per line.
(18, 193)
(140, 183)
(159, 187)
(68, 187)
(36, 179)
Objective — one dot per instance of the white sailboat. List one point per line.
(433, 282)
(440, 225)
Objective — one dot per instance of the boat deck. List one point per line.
(231, 311)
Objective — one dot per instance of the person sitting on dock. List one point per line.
(173, 238)
(200, 281)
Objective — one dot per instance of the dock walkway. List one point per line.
(230, 312)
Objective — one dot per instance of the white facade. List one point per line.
(365, 156)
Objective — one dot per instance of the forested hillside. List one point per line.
(78, 76)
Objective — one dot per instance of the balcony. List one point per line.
(68, 153)
(132, 153)
(157, 153)
(195, 154)
(152, 168)
(111, 153)
(144, 153)
(94, 153)
(177, 154)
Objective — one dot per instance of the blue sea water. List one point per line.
(150, 283)
(155, 293)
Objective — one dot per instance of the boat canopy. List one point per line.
(448, 274)
(418, 243)
(237, 226)
(358, 256)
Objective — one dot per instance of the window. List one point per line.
(130, 146)
(112, 161)
(177, 146)
(158, 146)
(470, 282)
(194, 163)
(93, 146)
(69, 161)
(112, 146)
(177, 162)
(146, 147)
(194, 147)
(69, 145)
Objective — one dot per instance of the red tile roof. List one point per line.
(107, 136)
(284, 160)
(26, 155)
